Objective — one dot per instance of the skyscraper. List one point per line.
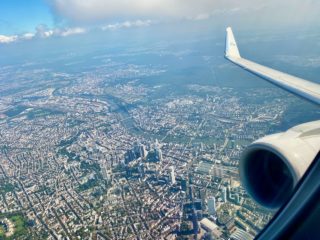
(104, 172)
(158, 153)
(129, 156)
(136, 151)
(172, 175)
(203, 196)
(184, 185)
(224, 194)
(229, 192)
(212, 205)
(143, 151)
(237, 198)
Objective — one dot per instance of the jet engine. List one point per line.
(271, 167)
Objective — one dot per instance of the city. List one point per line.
(150, 120)
(96, 156)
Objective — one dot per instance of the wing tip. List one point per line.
(232, 50)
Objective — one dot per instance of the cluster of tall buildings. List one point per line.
(138, 151)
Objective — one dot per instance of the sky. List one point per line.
(23, 16)
(31, 19)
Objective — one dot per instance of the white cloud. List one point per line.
(246, 12)
(8, 39)
(202, 16)
(27, 36)
(42, 31)
(70, 31)
(127, 24)
(97, 10)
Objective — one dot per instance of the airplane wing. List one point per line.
(300, 87)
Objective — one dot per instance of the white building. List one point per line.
(172, 175)
(224, 194)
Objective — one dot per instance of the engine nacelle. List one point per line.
(271, 167)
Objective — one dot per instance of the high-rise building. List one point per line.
(224, 194)
(184, 185)
(104, 172)
(129, 156)
(143, 151)
(203, 196)
(172, 175)
(158, 153)
(201, 147)
(141, 170)
(237, 198)
(212, 205)
(136, 151)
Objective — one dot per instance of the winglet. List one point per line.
(300, 87)
(231, 45)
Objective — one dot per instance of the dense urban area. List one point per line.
(104, 154)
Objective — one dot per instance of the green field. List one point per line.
(6, 187)
(20, 226)
(2, 233)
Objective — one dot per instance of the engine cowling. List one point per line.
(271, 167)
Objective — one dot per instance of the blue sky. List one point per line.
(18, 16)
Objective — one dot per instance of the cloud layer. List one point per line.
(8, 39)
(95, 10)
(127, 24)
(122, 14)
(42, 31)
(100, 10)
